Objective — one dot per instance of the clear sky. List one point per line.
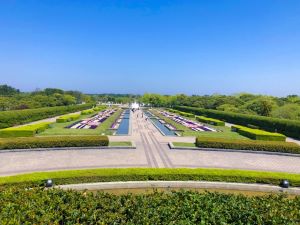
(167, 47)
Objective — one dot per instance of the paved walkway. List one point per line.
(152, 151)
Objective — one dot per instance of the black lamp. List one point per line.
(285, 184)
(49, 183)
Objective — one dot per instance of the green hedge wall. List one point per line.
(290, 128)
(24, 131)
(52, 142)
(18, 117)
(210, 121)
(270, 146)
(258, 134)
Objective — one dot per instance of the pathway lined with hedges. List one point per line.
(152, 151)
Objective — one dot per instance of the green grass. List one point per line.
(59, 128)
(184, 144)
(224, 132)
(135, 174)
(120, 144)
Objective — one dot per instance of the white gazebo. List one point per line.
(135, 105)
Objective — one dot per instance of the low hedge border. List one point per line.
(273, 146)
(144, 174)
(53, 142)
(257, 134)
(211, 121)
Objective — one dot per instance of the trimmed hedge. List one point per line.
(210, 121)
(53, 142)
(190, 115)
(258, 134)
(25, 131)
(290, 128)
(143, 174)
(18, 117)
(67, 118)
(87, 112)
(270, 146)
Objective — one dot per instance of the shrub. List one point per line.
(258, 134)
(88, 111)
(56, 206)
(18, 117)
(67, 118)
(51, 142)
(273, 146)
(290, 128)
(210, 121)
(25, 131)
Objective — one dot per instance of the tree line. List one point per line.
(13, 99)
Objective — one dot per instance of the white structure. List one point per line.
(135, 105)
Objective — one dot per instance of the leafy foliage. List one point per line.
(54, 206)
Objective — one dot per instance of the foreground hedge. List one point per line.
(290, 128)
(270, 146)
(54, 206)
(51, 142)
(210, 121)
(25, 131)
(18, 117)
(258, 134)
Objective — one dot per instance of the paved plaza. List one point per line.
(151, 151)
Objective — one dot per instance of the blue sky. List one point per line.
(136, 46)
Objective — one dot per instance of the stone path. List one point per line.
(152, 151)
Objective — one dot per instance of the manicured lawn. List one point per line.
(224, 132)
(120, 143)
(59, 128)
(183, 144)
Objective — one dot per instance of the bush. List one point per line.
(290, 128)
(273, 146)
(210, 121)
(56, 206)
(190, 115)
(18, 117)
(258, 134)
(67, 118)
(88, 111)
(53, 142)
(25, 131)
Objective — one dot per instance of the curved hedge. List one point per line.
(290, 128)
(54, 141)
(18, 117)
(56, 206)
(270, 146)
